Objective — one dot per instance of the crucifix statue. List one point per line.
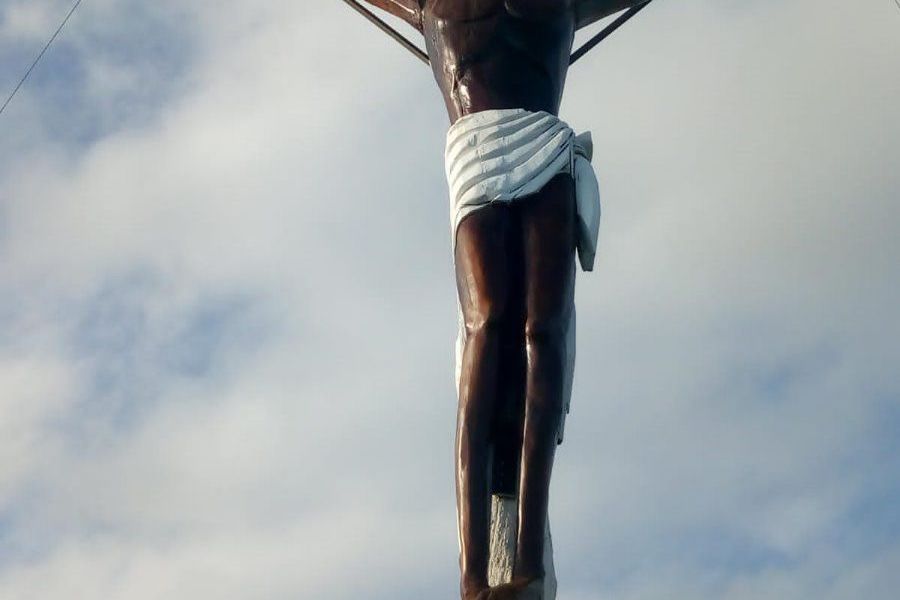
(523, 204)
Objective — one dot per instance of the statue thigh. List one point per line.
(514, 274)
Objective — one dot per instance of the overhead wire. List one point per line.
(40, 56)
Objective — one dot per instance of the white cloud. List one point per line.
(225, 367)
(30, 21)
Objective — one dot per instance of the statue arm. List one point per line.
(408, 10)
(589, 11)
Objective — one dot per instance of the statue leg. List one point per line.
(482, 284)
(548, 232)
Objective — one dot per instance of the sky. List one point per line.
(227, 308)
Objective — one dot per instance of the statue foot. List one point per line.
(519, 589)
(478, 594)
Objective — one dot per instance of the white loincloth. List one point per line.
(508, 154)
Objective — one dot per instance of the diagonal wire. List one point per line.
(399, 37)
(39, 56)
(610, 29)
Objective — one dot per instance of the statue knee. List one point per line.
(486, 323)
(545, 334)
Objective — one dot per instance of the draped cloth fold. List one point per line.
(506, 155)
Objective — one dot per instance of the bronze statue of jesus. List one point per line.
(502, 64)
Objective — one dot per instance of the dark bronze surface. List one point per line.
(514, 269)
(415, 51)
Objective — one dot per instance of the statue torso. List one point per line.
(499, 53)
